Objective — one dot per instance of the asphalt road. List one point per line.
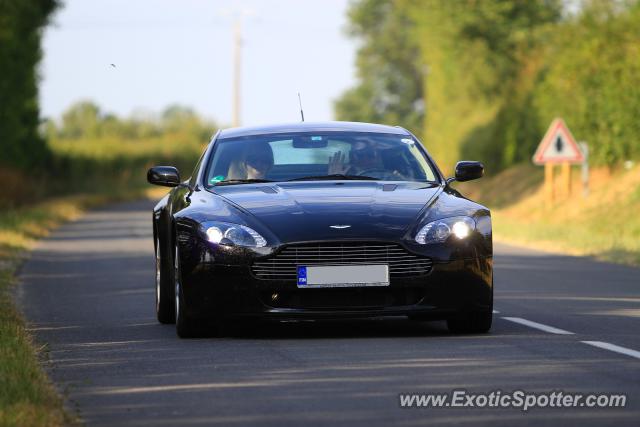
(88, 291)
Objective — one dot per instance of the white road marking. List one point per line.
(496, 312)
(537, 325)
(613, 347)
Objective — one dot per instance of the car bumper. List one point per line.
(224, 287)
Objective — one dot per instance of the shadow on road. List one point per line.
(88, 291)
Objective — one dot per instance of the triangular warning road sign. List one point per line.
(558, 146)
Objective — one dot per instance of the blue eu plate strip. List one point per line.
(302, 276)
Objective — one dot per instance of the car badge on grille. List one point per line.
(340, 226)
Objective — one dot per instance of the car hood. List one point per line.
(306, 211)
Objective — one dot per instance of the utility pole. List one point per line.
(237, 13)
(237, 46)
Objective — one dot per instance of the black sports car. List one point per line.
(320, 220)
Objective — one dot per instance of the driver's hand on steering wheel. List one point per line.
(337, 164)
(400, 175)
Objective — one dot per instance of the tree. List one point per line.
(494, 73)
(389, 88)
(81, 119)
(483, 58)
(21, 24)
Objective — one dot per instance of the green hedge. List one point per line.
(495, 73)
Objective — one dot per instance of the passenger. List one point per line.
(256, 162)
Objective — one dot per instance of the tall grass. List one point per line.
(27, 398)
(105, 166)
(605, 225)
(80, 173)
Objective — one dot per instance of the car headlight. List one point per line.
(438, 231)
(225, 233)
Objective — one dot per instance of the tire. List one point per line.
(473, 322)
(186, 326)
(165, 310)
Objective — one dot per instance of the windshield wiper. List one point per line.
(243, 181)
(334, 176)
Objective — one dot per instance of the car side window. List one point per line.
(424, 164)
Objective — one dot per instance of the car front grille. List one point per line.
(283, 265)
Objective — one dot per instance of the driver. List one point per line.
(363, 157)
(365, 160)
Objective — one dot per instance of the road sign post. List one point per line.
(548, 183)
(585, 169)
(566, 179)
(557, 147)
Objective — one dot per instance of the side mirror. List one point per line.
(167, 176)
(467, 171)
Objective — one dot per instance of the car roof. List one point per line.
(312, 127)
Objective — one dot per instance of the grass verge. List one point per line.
(27, 397)
(605, 224)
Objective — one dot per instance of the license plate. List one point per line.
(343, 276)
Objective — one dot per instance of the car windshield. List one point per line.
(318, 156)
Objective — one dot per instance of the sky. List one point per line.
(181, 52)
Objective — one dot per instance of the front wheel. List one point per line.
(473, 322)
(186, 326)
(165, 311)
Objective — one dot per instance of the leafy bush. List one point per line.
(495, 73)
(21, 24)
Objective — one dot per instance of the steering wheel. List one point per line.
(377, 173)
